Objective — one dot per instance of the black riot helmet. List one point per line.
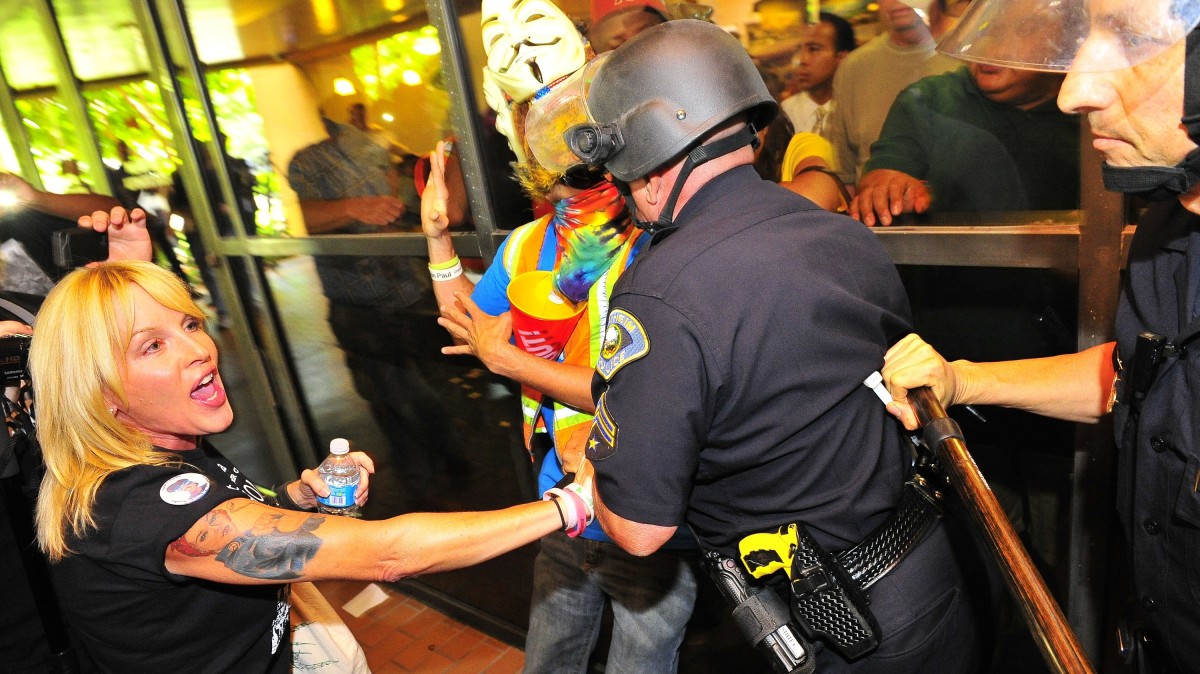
(662, 91)
(659, 95)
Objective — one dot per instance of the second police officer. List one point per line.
(1133, 66)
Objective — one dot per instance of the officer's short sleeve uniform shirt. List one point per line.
(729, 387)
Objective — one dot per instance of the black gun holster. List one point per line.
(828, 592)
(827, 604)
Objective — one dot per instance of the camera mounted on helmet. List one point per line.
(594, 143)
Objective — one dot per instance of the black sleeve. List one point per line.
(653, 412)
(148, 511)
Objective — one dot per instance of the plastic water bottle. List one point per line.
(340, 474)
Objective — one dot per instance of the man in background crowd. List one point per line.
(986, 138)
(870, 78)
(823, 45)
(981, 138)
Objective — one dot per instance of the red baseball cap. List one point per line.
(602, 8)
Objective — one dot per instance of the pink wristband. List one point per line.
(574, 507)
(581, 513)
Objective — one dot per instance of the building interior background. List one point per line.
(184, 83)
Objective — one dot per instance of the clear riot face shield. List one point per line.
(555, 113)
(1069, 35)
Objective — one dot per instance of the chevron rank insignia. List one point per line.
(602, 441)
(625, 341)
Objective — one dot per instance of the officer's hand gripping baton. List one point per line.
(1045, 619)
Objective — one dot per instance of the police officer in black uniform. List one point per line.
(1134, 67)
(730, 384)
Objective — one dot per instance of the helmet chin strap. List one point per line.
(1159, 183)
(703, 153)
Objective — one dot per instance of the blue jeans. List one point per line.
(652, 600)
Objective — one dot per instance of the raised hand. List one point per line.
(128, 238)
(434, 218)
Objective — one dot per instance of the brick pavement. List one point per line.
(402, 635)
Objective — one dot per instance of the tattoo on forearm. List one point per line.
(263, 551)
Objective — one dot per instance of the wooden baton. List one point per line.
(1045, 619)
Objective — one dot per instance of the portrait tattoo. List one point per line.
(264, 551)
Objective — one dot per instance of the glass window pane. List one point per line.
(24, 50)
(8, 158)
(387, 106)
(226, 30)
(53, 141)
(255, 181)
(101, 38)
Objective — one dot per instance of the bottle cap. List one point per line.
(339, 446)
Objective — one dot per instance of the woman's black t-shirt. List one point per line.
(135, 616)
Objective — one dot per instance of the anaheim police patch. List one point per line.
(625, 341)
(602, 442)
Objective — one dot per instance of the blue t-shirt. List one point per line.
(491, 296)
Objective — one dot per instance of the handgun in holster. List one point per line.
(825, 602)
(761, 616)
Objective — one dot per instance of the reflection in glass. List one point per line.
(101, 40)
(53, 140)
(448, 440)
(399, 78)
(234, 103)
(8, 158)
(392, 90)
(226, 30)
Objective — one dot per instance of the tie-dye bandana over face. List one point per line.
(591, 227)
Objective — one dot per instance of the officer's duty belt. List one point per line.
(828, 601)
(881, 551)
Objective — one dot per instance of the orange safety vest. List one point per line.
(521, 254)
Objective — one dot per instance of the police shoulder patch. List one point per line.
(602, 441)
(625, 340)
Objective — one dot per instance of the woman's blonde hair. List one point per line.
(77, 357)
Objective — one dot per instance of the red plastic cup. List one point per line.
(542, 318)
